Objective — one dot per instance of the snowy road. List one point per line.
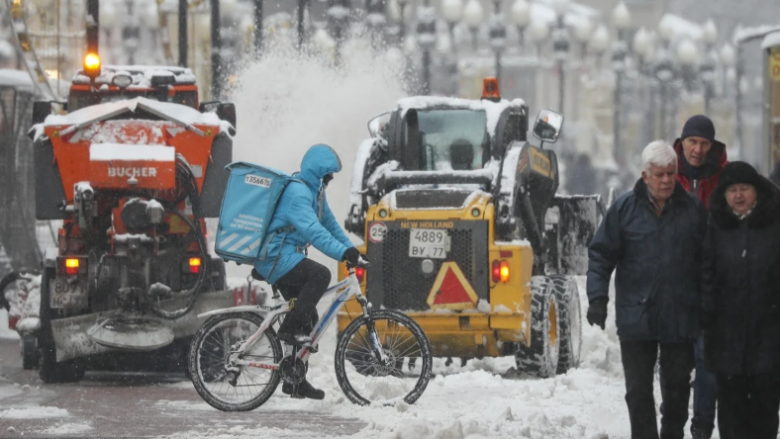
(484, 399)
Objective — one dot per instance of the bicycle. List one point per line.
(236, 360)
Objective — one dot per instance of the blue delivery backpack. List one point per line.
(251, 197)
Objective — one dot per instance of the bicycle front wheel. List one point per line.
(228, 388)
(366, 379)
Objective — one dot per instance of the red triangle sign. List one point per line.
(451, 289)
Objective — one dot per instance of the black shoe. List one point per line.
(296, 339)
(701, 430)
(305, 390)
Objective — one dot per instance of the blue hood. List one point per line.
(319, 161)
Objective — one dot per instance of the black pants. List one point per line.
(639, 358)
(306, 282)
(748, 406)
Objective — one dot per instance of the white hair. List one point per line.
(658, 153)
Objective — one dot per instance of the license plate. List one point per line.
(428, 243)
(64, 294)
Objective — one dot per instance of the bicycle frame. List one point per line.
(344, 290)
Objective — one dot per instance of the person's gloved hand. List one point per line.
(352, 255)
(597, 312)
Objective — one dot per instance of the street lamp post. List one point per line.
(426, 38)
(338, 13)
(521, 17)
(561, 49)
(497, 36)
(258, 27)
(216, 46)
(538, 31)
(183, 33)
(642, 46)
(709, 63)
(621, 19)
(688, 58)
(453, 13)
(599, 43)
(473, 16)
(375, 16)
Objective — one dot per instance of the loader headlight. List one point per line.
(475, 212)
(382, 213)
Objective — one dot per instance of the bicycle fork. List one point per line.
(379, 353)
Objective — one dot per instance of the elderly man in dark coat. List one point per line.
(741, 302)
(653, 237)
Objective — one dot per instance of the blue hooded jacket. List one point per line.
(304, 207)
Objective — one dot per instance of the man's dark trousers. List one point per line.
(748, 406)
(639, 358)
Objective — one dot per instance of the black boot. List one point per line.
(701, 430)
(305, 390)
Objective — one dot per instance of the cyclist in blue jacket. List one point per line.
(303, 218)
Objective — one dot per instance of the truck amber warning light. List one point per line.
(92, 65)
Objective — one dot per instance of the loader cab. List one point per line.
(451, 134)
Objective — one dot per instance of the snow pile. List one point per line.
(33, 412)
(67, 428)
(288, 102)
(484, 399)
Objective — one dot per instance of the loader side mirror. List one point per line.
(548, 126)
(227, 111)
(208, 106)
(41, 109)
(377, 127)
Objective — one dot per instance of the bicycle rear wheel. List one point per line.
(363, 377)
(233, 390)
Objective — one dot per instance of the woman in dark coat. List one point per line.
(741, 302)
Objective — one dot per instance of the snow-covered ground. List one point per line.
(484, 399)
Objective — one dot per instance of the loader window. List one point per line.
(453, 139)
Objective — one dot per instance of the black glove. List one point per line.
(597, 312)
(352, 255)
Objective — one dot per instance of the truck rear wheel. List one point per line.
(541, 357)
(570, 321)
(52, 371)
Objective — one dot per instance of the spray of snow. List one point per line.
(287, 102)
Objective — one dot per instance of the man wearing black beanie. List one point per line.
(700, 160)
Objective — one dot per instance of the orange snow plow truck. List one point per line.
(132, 166)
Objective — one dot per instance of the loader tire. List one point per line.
(50, 370)
(570, 322)
(540, 358)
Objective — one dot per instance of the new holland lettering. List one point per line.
(132, 172)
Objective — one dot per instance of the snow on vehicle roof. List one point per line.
(492, 109)
(105, 152)
(16, 78)
(179, 114)
(745, 34)
(771, 40)
(142, 75)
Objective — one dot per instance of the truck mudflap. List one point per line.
(72, 334)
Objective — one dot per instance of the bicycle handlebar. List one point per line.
(362, 263)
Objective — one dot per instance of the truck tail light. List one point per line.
(504, 272)
(195, 264)
(72, 266)
(496, 271)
